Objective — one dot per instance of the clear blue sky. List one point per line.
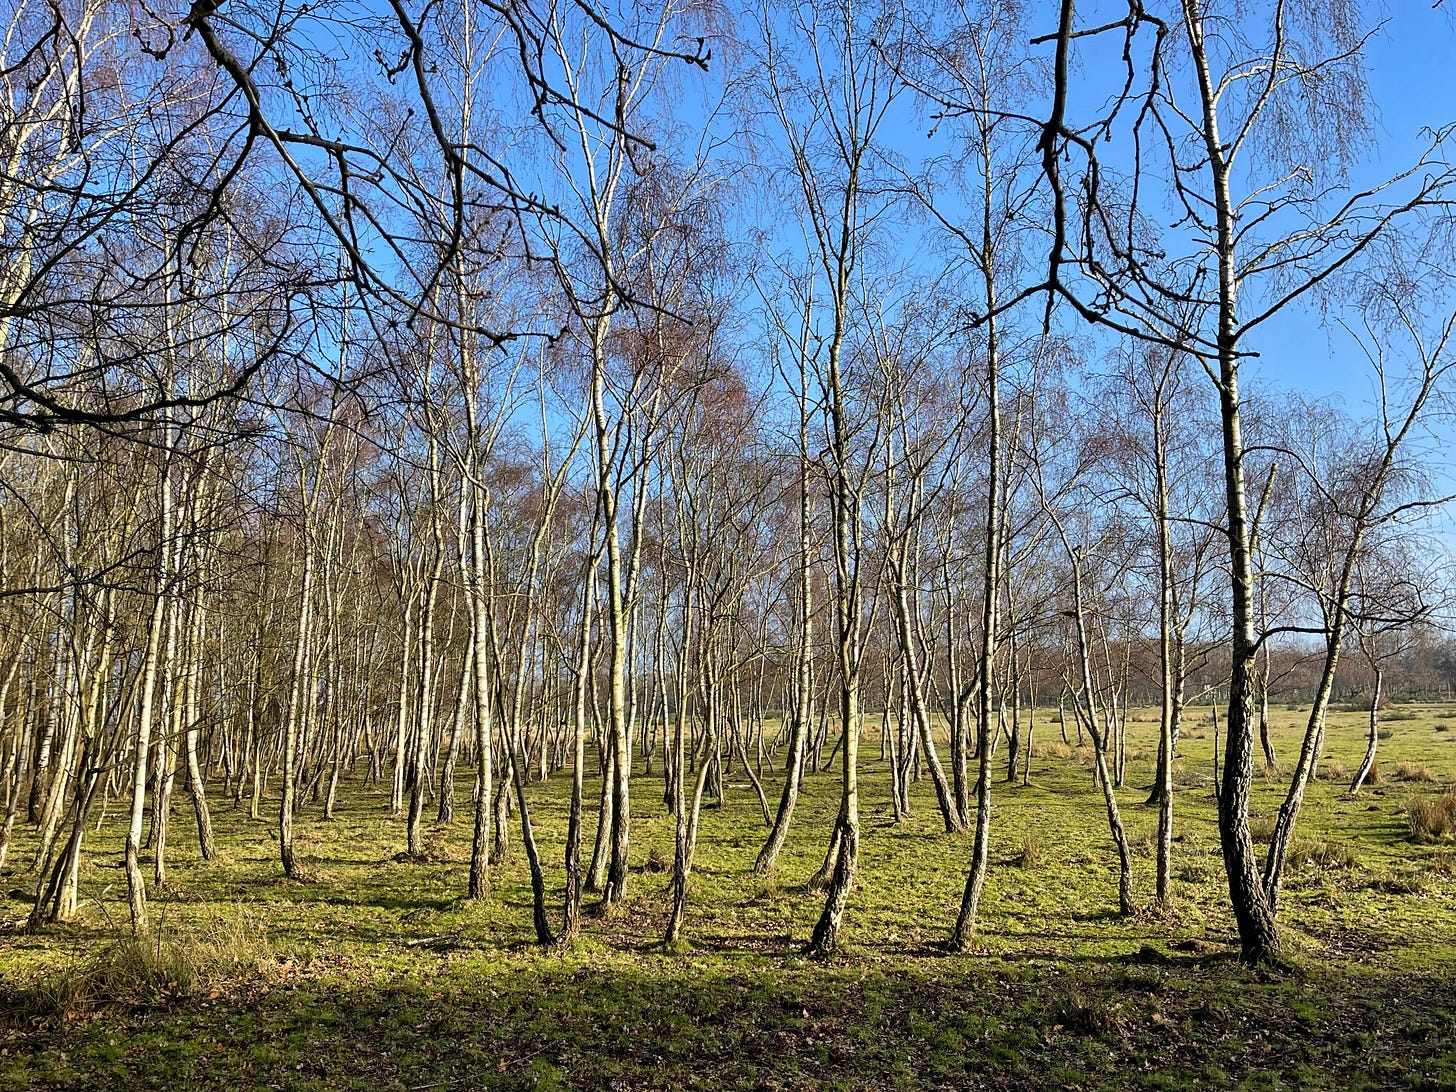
(1411, 82)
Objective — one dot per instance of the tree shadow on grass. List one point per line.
(621, 1021)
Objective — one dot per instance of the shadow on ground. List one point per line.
(858, 1022)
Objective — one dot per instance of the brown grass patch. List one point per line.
(1186, 776)
(1323, 853)
(1432, 819)
(1057, 749)
(1412, 771)
(1261, 828)
(1029, 855)
(147, 971)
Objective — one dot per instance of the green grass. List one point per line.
(377, 973)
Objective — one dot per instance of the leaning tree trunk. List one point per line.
(299, 693)
(533, 858)
(192, 684)
(1314, 733)
(686, 833)
(1368, 762)
(135, 882)
(846, 562)
(915, 693)
(426, 747)
(990, 590)
(571, 924)
(803, 668)
(619, 769)
(1099, 751)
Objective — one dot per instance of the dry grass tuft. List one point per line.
(147, 971)
(1029, 855)
(1261, 828)
(1196, 872)
(1411, 771)
(1057, 749)
(1432, 819)
(1323, 853)
(1185, 775)
(1084, 1015)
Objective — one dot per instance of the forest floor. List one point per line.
(373, 972)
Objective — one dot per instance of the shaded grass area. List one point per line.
(376, 973)
(860, 1023)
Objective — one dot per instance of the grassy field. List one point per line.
(374, 973)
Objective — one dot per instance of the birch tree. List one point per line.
(1253, 116)
(830, 92)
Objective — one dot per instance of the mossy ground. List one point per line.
(375, 972)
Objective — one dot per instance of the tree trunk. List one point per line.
(300, 692)
(1373, 738)
(1258, 933)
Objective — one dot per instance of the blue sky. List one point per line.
(1411, 83)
